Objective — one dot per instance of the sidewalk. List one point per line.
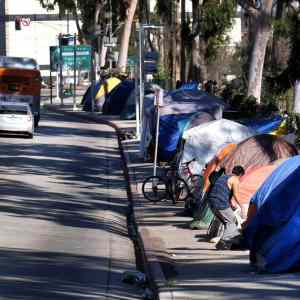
(179, 262)
(183, 264)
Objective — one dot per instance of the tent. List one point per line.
(117, 98)
(252, 181)
(204, 141)
(171, 130)
(265, 125)
(100, 91)
(214, 163)
(176, 103)
(258, 150)
(273, 233)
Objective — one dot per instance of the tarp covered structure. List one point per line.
(171, 130)
(101, 90)
(176, 103)
(117, 98)
(204, 141)
(267, 125)
(258, 150)
(273, 233)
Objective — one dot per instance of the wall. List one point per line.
(34, 40)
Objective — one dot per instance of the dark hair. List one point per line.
(238, 171)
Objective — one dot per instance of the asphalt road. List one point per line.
(62, 214)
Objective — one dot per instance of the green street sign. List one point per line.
(68, 56)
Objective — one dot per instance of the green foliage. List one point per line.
(282, 27)
(216, 20)
(293, 125)
(162, 75)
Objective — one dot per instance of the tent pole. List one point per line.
(158, 102)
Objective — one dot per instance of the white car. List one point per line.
(16, 117)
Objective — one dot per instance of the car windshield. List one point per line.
(18, 63)
(16, 110)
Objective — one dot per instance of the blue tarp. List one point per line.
(190, 86)
(117, 98)
(264, 125)
(273, 234)
(170, 132)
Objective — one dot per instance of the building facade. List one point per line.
(39, 29)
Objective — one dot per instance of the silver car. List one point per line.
(16, 118)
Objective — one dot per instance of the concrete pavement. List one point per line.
(63, 214)
(179, 262)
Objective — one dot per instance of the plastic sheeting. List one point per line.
(265, 125)
(178, 102)
(258, 151)
(203, 142)
(171, 130)
(273, 234)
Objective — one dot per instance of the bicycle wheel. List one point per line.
(178, 189)
(154, 188)
(196, 185)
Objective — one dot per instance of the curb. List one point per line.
(146, 244)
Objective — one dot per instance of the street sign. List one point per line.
(83, 57)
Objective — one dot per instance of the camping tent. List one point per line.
(204, 141)
(171, 130)
(273, 233)
(258, 151)
(267, 125)
(252, 181)
(214, 163)
(101, 90)
(176, 103)
(117, 98)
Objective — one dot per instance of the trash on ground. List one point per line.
(134, 277)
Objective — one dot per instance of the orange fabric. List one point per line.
(212, 165)
(252, 181)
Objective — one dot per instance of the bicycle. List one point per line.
(174, 187)
(156, 188)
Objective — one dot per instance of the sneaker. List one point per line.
(223, 245)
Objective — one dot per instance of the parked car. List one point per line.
(17, 118)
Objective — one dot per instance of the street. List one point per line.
(63, 231)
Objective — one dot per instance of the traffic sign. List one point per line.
(66, 57)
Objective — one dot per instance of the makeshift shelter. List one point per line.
(214, 163)
(267, 125)
(117, 98)
(252, 181)
(176, 103)
(101, 90)
(273, 233)
(259, 150)
(171, 130)
(204, 141)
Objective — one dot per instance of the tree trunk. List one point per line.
(125, 38)
(297, 96)
(262, 35)
(183, 52)
(175, 73)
